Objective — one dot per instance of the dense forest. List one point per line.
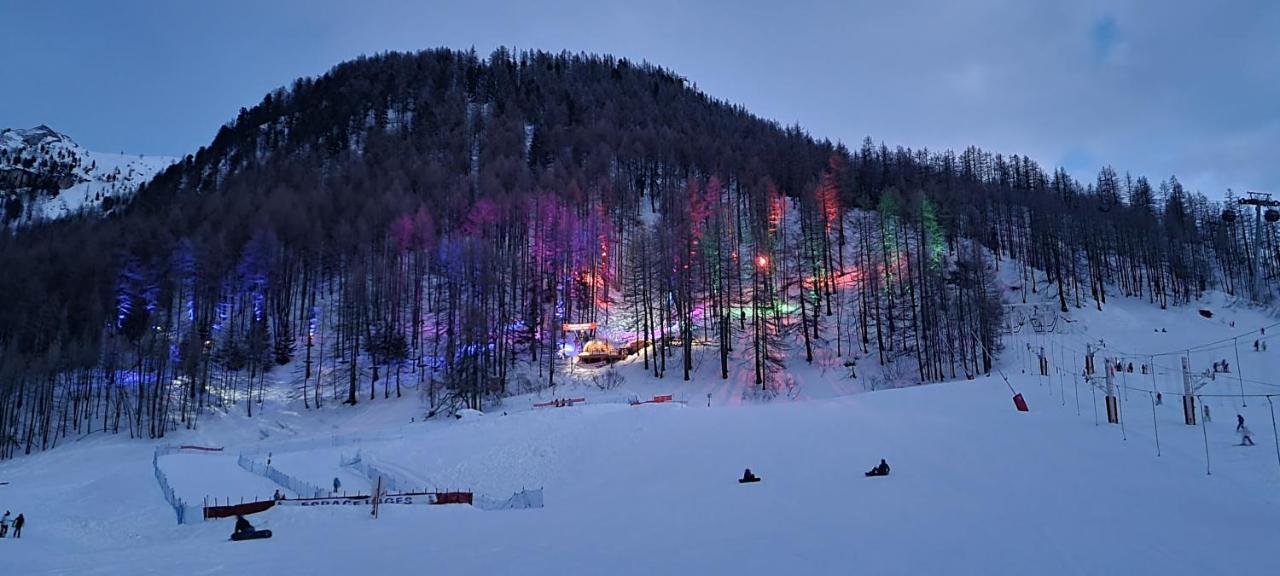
(433, 220)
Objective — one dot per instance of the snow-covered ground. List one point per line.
(976, 488)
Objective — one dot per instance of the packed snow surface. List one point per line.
(976, 487)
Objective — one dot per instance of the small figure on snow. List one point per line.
(748, 477)
(1239, 422)
(1159, 399)
(881, 469)
(245, 531)
(336, 484)
(19, 521)
(278, 496)
(1205, 409)
(1255, 345)
(4, 524)
(1246, 436)
(243, 526)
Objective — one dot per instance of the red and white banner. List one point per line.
(427, 499)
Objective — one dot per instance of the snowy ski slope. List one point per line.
(977, 488)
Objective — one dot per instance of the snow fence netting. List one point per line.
(184, 512)
(363, 464)
(298, 486)
(520, 500)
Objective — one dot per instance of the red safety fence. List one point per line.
(237, 509)
(431, 498)
(200, 448)
(453, 498)
(560, 402)
(657, 399)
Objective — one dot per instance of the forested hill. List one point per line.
(438, 216)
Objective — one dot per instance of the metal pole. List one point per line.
(1274, 435)
(1062, 393)
(1076, 366)
(1120, 406)
(1155, 422)
(1207, 470)
(1124, 381)
(1151, 365)
(1240, 372)
(1094, 389)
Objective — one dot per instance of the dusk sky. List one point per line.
(1154, 88)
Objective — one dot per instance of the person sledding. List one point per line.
(881, 469)
(748, 477)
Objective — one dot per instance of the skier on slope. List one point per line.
(336, 484)
(1246, 436)
(4, 524)
(1239, 422)
(19, 521)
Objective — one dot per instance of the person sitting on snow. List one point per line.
(243, 526)
(747, 476)
(881, 469)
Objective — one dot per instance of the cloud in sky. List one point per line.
(1153, 88)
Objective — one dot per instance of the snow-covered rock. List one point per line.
(46, 175)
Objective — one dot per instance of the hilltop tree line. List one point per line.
(432, 220)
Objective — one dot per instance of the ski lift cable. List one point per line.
(1172, 370)
(1213, 343)
(1003, 376)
